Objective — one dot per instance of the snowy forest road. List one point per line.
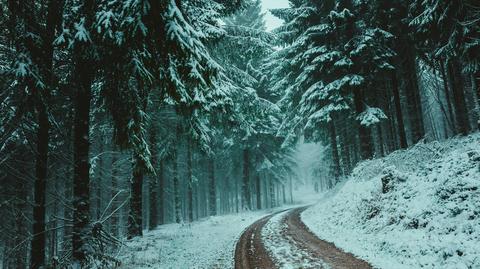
(251, 251)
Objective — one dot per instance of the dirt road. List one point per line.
(251, 253)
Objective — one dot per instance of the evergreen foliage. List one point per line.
(197, 99)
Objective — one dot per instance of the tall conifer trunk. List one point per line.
(176, 184)
(189, 182)
(412, 91)
(345, 150)
(82, 82)
(81, 178)
(37, 259)
(153, 190)
(259, 190)
(334, 148)
(246, 198)
(455, 77)
(114, 190)
(366, 146)
(398, 110)
(476, 101)
(135, 224)
(135, 216)
(99, 181)
(273, 201)
(448, 98)
(161, 188)
(44, 59)
(212, 187)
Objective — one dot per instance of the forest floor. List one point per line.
(206, 244)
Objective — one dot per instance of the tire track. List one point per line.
(251, 253)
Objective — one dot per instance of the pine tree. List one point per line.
(34, 70)
(240, 52)
(337, 61)
(153, 180)
(442, 37)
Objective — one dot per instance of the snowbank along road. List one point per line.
(282, 240)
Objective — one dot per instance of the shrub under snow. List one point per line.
(418, 208)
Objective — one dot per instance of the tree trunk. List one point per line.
(135, 226)
(213, 187)
(389, 106)
(45, 61)
(114, 190)
(153, 210)
(414, 100)
(398, 110)
(56, 233)
(267, 190)
(237, 202)
(259, 190)
(366, 147)
(476, 97)
(345, 150)
(246, 198)
(455, 77)
(67, 210)
(135, 216)
(334, 147)
(99, 181)
(161, 188)
(273, 202)
(83, 79)
(448, 98)
(81, 178)
(476, 78)
(225, 196)
(37, 253)
(381, 145)
(291, 189)
(176, 185)
(472, 102)
(189, 182)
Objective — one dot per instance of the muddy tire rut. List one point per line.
(251, 253)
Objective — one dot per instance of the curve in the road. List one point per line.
(250, 253)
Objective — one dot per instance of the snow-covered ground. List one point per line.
(208, 243)
(428, 217)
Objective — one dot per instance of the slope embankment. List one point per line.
(418, 208)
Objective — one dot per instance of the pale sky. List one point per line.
(273, 22)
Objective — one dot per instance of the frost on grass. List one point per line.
(418, 208)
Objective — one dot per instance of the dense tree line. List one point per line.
(117, 116)
(370, 77)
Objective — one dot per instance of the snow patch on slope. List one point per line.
(425, 215)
